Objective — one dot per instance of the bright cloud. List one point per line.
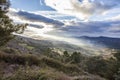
(115, 18)
(82, 8)
(42, 25)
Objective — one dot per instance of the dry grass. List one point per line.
(30, 59)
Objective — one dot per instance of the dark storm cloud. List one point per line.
(36, 18)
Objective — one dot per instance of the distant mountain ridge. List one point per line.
(110, 42)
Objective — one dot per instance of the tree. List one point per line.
(103, 67)
(76, 57)
(66, 54)
(7, 26)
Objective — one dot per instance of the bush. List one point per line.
(104, 68)
(31, 59)
(117, 76)
(66, 68)
(20, 59)
(25, 73)
(76, 57)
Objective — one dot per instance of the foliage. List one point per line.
(31, 59)
(66, 54)
(7, 26)
(117, 76)
(107, 68)
(76, 57)
(117, 55)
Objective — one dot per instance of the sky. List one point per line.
(68, 18)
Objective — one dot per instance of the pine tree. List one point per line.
(7, 26)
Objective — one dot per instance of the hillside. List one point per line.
(43, 40)
(40, 45)
(19, 57)
(23, 60)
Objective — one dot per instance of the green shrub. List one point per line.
(76, 57)
(20, 59)
(30, 59)
(117, 76)
(25, 74)
(67, 68)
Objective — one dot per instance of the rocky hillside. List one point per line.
(26, 59)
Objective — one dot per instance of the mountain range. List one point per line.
(109, 42)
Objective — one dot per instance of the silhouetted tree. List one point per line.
(66, 54)
(7, 26)
(76, 57)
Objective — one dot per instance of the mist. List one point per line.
(80, 45)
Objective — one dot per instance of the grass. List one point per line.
(35, 73)
(20, 59)
(30, 59)
(39, 67)
(29, 67)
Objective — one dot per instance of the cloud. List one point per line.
(82, 8)
(115, 28)
(32, 17)
(93, 28)
(38, 24)
(41, 24)
(115, 18)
